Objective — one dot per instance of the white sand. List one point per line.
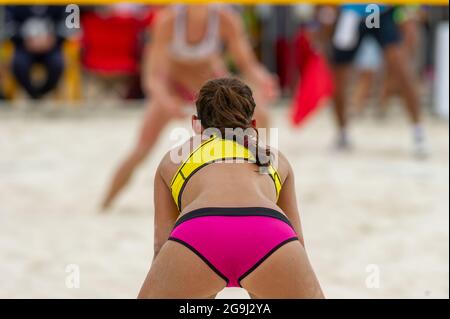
(376, 206)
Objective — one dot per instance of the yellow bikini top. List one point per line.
(213, 150)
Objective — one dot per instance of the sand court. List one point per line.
(375, 220)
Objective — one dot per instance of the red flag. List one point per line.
(316, 81)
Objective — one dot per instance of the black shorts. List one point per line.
(387, 34)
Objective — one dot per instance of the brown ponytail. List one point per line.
(228, 103)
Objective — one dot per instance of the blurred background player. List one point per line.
(351, 28)
(185, 51)
(408, 19)
(368, 63)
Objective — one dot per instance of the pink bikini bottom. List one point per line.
(233, 241)
(182, 91)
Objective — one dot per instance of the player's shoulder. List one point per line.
(164, 18)
(281, 163)
(228, 16)
(175, 157)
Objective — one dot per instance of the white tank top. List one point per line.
(208, 45)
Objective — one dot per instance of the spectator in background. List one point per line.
(2, 96)
(37, 33)
(2, 28)
(112, 42)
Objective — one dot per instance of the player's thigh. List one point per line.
(155, 119)
(287, 273)
(177, 272)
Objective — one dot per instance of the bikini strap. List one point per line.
(208, 45)
(211, 151)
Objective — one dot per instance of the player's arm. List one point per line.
(238, 45)
(166, 212)
(156, 64)
(287, 200)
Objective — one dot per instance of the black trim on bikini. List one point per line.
(189, 157)
(233, 211)
(259, 262)
(195, 251)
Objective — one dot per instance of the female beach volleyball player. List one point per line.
(225, 214)
(185, 51)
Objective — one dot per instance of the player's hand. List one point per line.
(269, 86)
